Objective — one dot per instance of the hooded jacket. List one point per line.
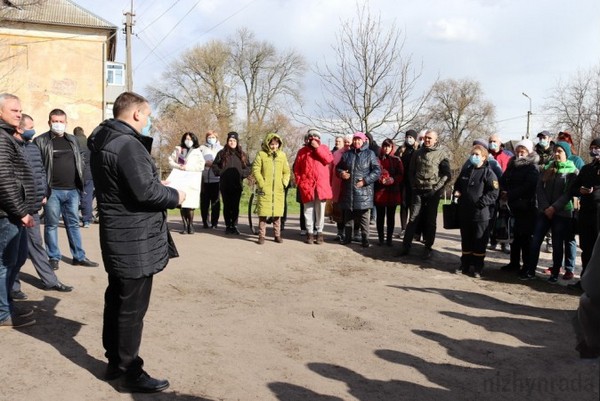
(311, 172)
(271, 171)
(361, 164)
(17, 188)
(132, 202)
(519, 182)
(555, 191)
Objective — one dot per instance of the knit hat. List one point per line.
(526, 143)
(595, 142)
(411, 132)
(314, 133)
(360, 135)
(233, 135)
(565, 146)
(481, 142)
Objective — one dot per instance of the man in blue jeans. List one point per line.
(16, 200)
(64, 169)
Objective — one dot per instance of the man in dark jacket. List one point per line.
(359, 169)
(35, 245)
(429, 172)
(64, 170)
(16, 202)
(134, 237)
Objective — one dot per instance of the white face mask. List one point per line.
(189, 143)
(58, 128)
(211, 140)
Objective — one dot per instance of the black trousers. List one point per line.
(423, 214)
(231, 205)
(474, 236)
(520, 248)
(386, 213)
(125, 305)
(209, 199)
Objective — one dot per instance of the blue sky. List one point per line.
(509, 46)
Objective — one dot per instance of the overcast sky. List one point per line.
(509, 46)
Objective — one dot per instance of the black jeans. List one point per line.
(125, 305)
(209, 199)
(231, 205)
(386, 213)
(423, 214)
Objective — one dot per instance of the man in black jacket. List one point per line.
(64, 169)
(134, 237)
(16, 201)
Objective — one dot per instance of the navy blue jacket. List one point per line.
(361, 164)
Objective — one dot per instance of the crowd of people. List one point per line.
(547, 191)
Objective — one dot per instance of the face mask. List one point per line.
(595, 153)
(543, 143)
(475, 160)
(58, 128)
(189, 144)
(28, 134)
(146, 130)
(410, 141)
(211, 140)
(493, 146)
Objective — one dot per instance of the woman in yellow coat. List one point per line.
(272, 174)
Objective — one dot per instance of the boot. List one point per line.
(184, 230)
(262, 230)
(310, 239)
(364, 240)
(190, 227)
(347, 236)
(277, 230)
(261, 240)
(319, 238)
(380, 239)
(389, 237)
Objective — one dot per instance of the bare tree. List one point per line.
(268, 80)
(200, 80)
(574, 106)
(371, 86)
(458, 111)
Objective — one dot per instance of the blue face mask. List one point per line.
(146, 130)
(493, 145)
(211, 141)
(28, 134)
(475, 160)
(543, 143)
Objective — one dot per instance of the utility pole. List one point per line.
(528, 114)
(128, 30)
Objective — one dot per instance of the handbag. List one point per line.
(450, 215)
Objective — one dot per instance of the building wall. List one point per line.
(48, 69)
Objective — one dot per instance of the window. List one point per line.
(115, 74)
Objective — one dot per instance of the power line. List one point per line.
(159, 17)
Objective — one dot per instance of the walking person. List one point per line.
(388, 193)
(188, 157)
(232, 166)
(311, 170)
(476, 189)
(271, 171)
(134, 236)
(359, 169)
(209, 192)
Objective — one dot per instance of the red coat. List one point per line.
(389, 194)
(311, 170)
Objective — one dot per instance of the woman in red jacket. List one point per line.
(388, 193)
(311, 170)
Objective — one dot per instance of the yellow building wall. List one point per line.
(50, 70)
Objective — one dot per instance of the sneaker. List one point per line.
(18, 295)
(476, 275)
(86, 224)
(553, 279)
(568, 275)
(526, 276)
(16, 322)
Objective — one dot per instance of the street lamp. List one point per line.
(528, 114)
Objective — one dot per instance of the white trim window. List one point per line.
(115, 74)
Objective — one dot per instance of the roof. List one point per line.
(63, 13)
(52, 12)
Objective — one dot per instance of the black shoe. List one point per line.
(427, 253)
(404, 251)
(191, 229)
(142, 384)
(84, 262)
(60, 287)
(18, 295)
(205, 225)
(234, 230)
(54, 264)
(510, 268)
(112, 372)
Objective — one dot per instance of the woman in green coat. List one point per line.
(272, 174)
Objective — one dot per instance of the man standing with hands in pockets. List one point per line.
(134, 236)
